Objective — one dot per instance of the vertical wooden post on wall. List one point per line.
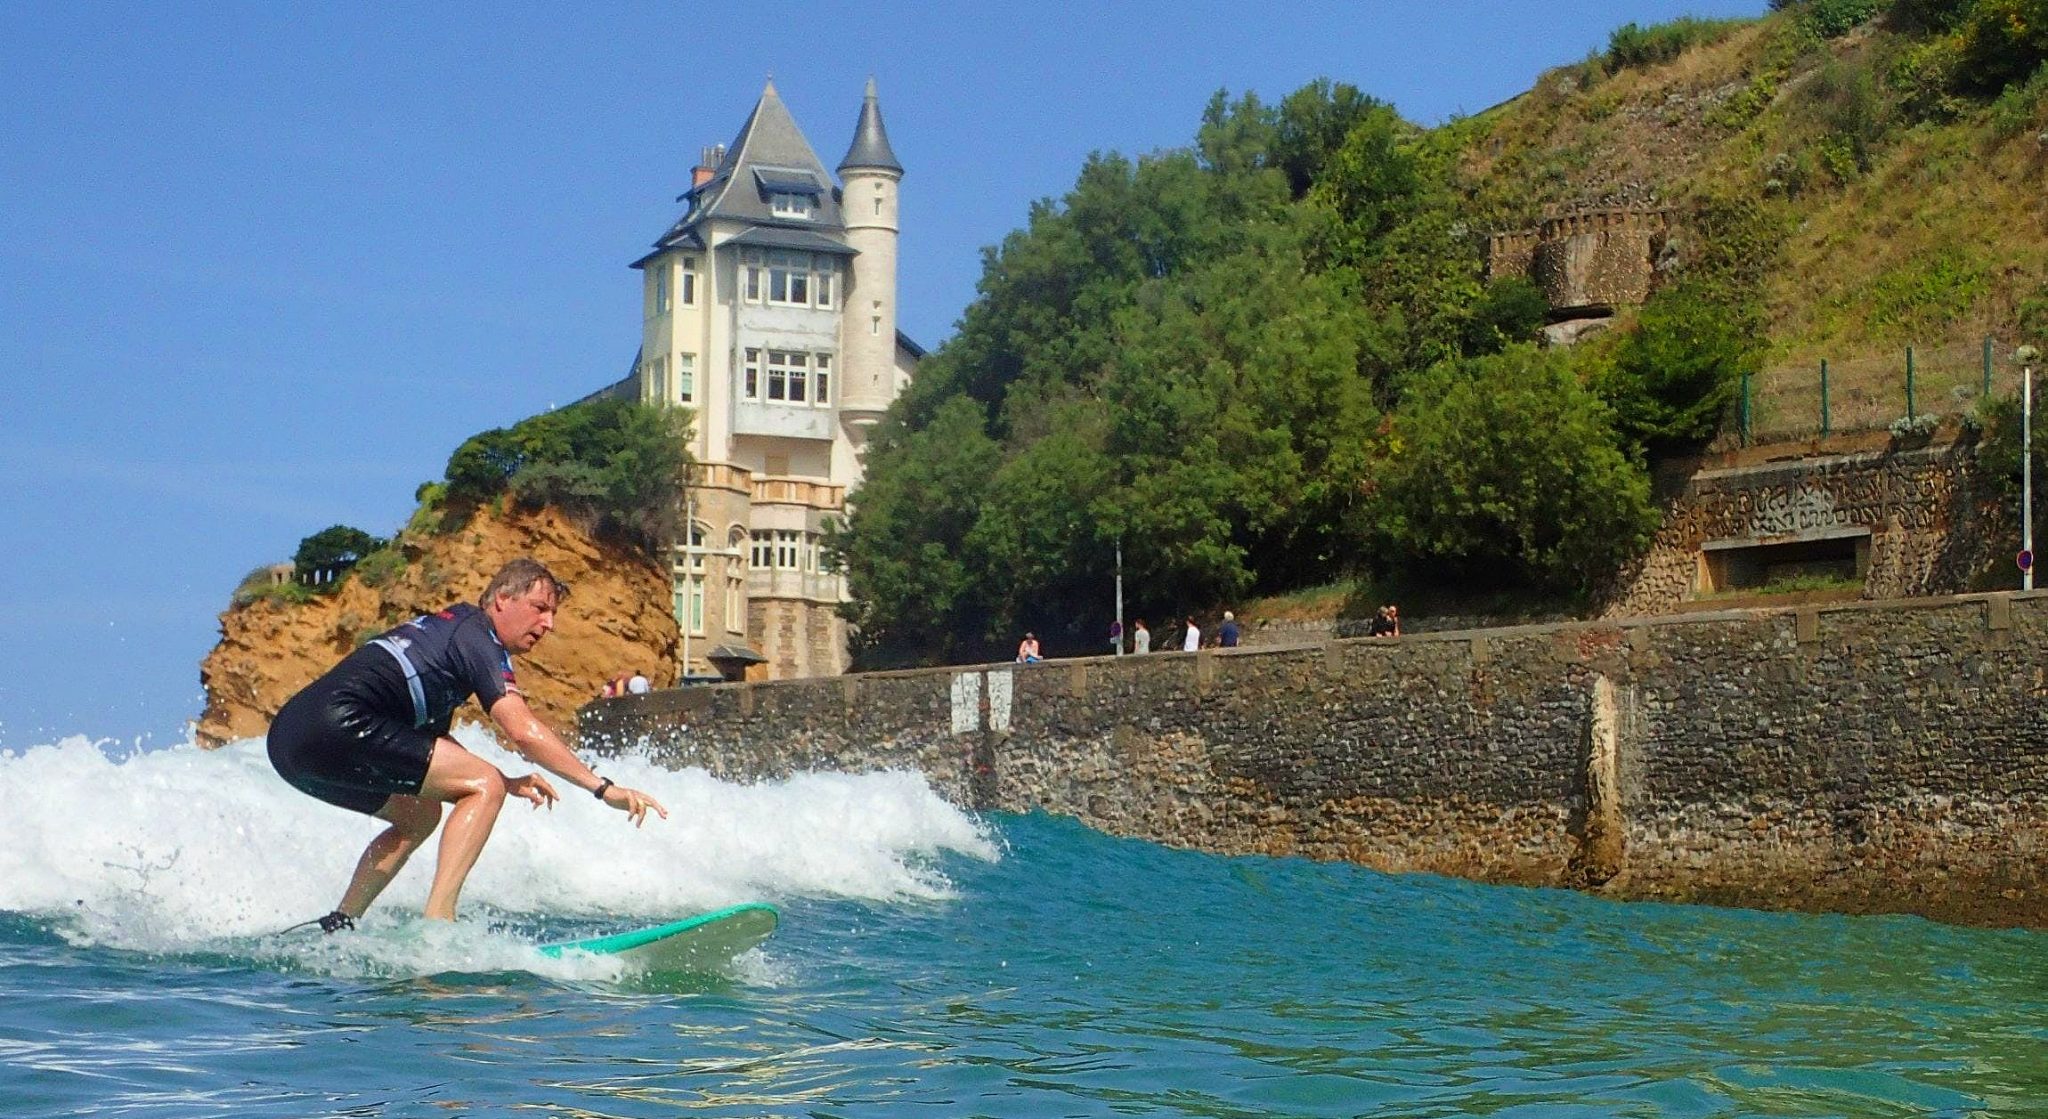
(1824, 398)
(1745, 408)
(1909, 384)
(1987, 366)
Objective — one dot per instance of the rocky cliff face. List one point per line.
(617, 619)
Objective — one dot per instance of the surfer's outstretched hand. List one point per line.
(633, 803)
(533, 787)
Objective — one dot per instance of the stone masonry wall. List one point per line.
(1928, 533)
(1860, 757)
(1595, 260)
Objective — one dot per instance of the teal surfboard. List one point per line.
(703, 943)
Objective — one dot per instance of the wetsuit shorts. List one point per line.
(349, 738)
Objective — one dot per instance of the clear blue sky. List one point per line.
(263, 266)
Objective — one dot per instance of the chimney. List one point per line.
(707, 165)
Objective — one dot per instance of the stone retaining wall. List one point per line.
(1859, 757)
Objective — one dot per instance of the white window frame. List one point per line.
(821, 282)
(686, 378)
(788, 549)
(688, 284)
(792, 204)
(750, 375)
(762, 544)
(661, 292)
(657, 378)
(790, 279)
(751, 286)
(821, 380)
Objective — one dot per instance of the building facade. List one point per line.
(769, 310)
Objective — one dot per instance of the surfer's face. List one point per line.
(523, 619)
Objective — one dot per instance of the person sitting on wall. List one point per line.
(638, 685)
(371, 736)
(1027, 650)
(1384, 624)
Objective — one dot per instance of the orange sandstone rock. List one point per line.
(617, 619)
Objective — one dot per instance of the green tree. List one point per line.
(1674, 375)
(1504, 470)
(902, 544)
(331, 551)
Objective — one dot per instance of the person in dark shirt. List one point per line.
(1227, 634)
(371, 736)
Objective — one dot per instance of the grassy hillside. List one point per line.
(1881, 209)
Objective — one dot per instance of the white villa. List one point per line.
(769, 308)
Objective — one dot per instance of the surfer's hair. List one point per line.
(518, 577)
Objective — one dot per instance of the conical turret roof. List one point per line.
(870, 140)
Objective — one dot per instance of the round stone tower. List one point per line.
(869, 176)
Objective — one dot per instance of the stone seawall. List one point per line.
(1860, 757)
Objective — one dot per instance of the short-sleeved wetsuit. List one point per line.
(367, 729)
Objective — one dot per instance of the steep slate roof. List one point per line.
(770, 153)
(870, 140)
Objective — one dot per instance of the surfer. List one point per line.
(371, 736)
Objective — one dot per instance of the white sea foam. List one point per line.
(185, 849)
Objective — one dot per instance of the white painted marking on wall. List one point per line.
(966, 702)
(999, 700)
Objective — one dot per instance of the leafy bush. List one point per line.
(2032, 315)
(1504, 470)
(1511, 309)
(2019, 107)
(382, 567)
(1832, 19)
(1849, 106)
(618, 463)
(1674, 375)
(1999, 457)
(1917, 426)
(1631, 46)
(1924, 78)
(262, 584)
(2003, 41)
(1928, 16)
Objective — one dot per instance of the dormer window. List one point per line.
(789, 191)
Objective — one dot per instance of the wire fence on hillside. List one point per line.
(1915, 387)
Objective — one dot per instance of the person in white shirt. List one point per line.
(638, 685)
(1193, 640)
(1141, 638)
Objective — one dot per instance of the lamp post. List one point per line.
(1119, 595)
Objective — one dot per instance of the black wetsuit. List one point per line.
(367, 729)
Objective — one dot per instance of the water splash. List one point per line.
(185, 850)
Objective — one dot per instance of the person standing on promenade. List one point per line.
(1192, 640)
(1141, 638)
(371, 736)
(1227, 633)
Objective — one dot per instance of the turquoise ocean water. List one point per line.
(931, 963)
